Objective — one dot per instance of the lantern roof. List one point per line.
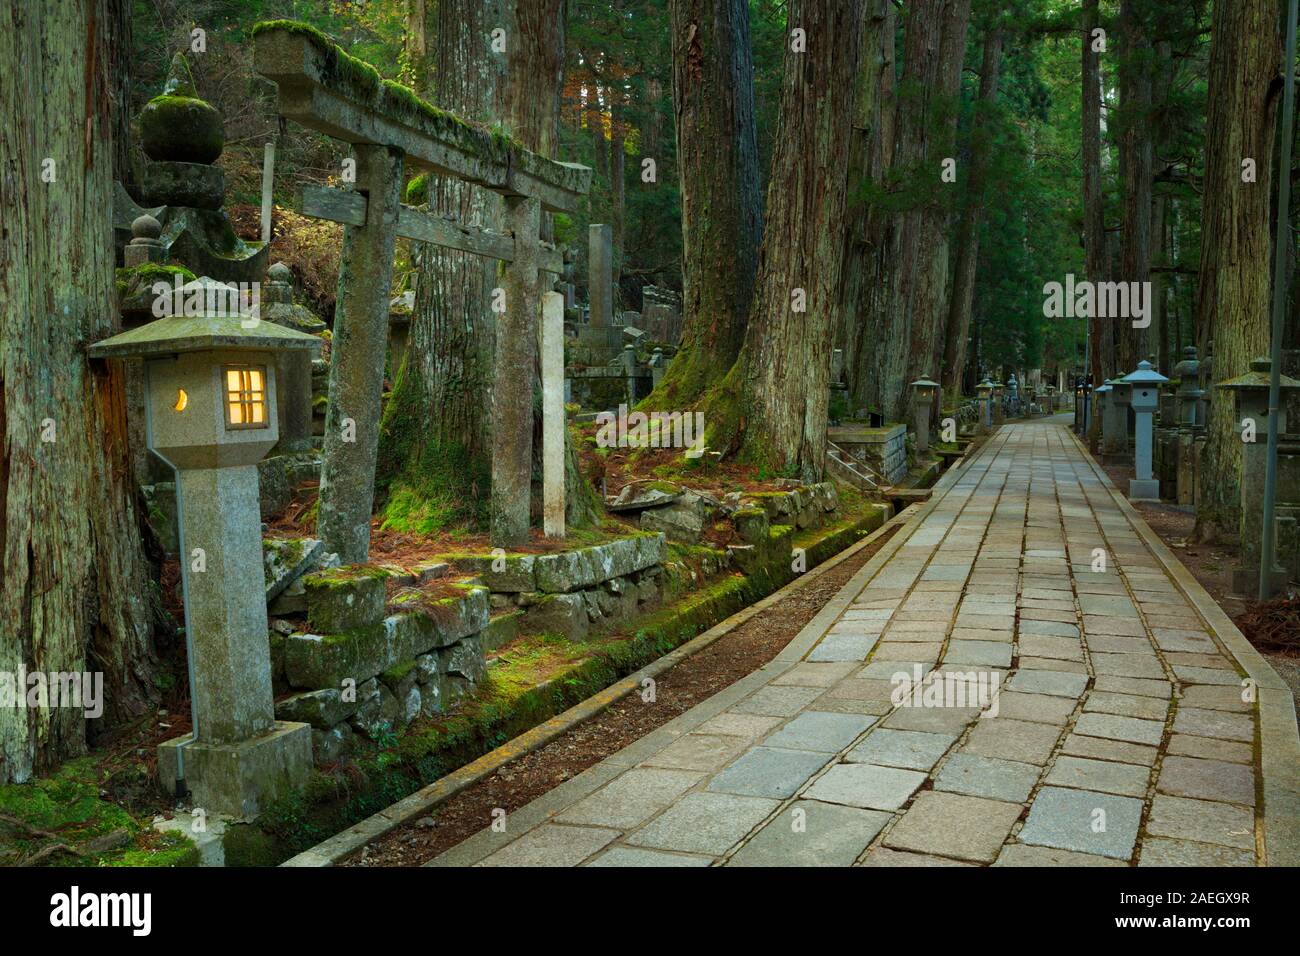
(202, 333)
(1103, 388)
(924, 382)
(1144, 374)
(1259, 377)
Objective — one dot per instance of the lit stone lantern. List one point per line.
(1144, 397)
(1251, 394)
(210, 410)
(985, 392)
(923, 393)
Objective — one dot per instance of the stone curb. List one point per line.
(1279, 736)
(348, 841)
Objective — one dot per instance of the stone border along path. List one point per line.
(1120, 732)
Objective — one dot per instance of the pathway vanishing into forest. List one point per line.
(1114, 728)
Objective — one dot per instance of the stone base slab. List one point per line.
(1144, 489)
(240, 779)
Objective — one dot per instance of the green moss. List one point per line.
(67, 805)
(427, 485)
(391, 98)
(134, 279)
(247, 845)
(417, 190)
(395, 674)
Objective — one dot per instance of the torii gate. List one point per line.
(325, 89)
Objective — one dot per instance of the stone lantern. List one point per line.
(1144, 397)
(1251, 394)
(985, 392)
(1102, 393)
(1112, 406)
(1013, 390)
(923, 393)
(1189, 389)
(999, 415)
(210, 412)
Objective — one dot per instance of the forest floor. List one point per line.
(1211, 564)
(733, 656)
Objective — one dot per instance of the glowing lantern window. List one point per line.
(245, 397)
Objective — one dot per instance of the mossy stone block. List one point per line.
(344, 599)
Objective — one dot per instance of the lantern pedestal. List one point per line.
(239, 779)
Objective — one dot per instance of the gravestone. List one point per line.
(553, 418)
(600, 274)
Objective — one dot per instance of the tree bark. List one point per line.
(784, 368)
(434, 461)
(968, 232)
(1233, 295)
(871, 146)
(868, 289)
(75, 590)
(1094, 221)
(925, 288)
(907, 326)
(1137, 137)
(722, 215)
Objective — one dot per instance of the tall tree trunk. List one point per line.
(929, 291)
(617, 156)
(436, 436)
(1094, 214)
(868, 287)
(968, 232)
(869, 150)
(1137, 137)
(906, 331)
(75, 593)
(1232, 297)
(784, 368)
(722, 215)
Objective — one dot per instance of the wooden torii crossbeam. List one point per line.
(323, 88)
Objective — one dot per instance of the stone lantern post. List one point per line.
(1189, 390)
(211, 413)
(985, 392)
(999, 414)
(1251, 394)
(1144, 396)
(1013, 391)
(1102, 393)
(1112, 406)
(923, 393)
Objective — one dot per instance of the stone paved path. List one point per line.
(1102, 720)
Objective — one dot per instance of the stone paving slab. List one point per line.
(1114, 732)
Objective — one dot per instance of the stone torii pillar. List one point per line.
(357, 353)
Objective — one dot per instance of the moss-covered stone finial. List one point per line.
(177, 126)
(180, 80)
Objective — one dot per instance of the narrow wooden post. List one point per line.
(512, 408)
(357, 354)
(268, 177)
(553, 419)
